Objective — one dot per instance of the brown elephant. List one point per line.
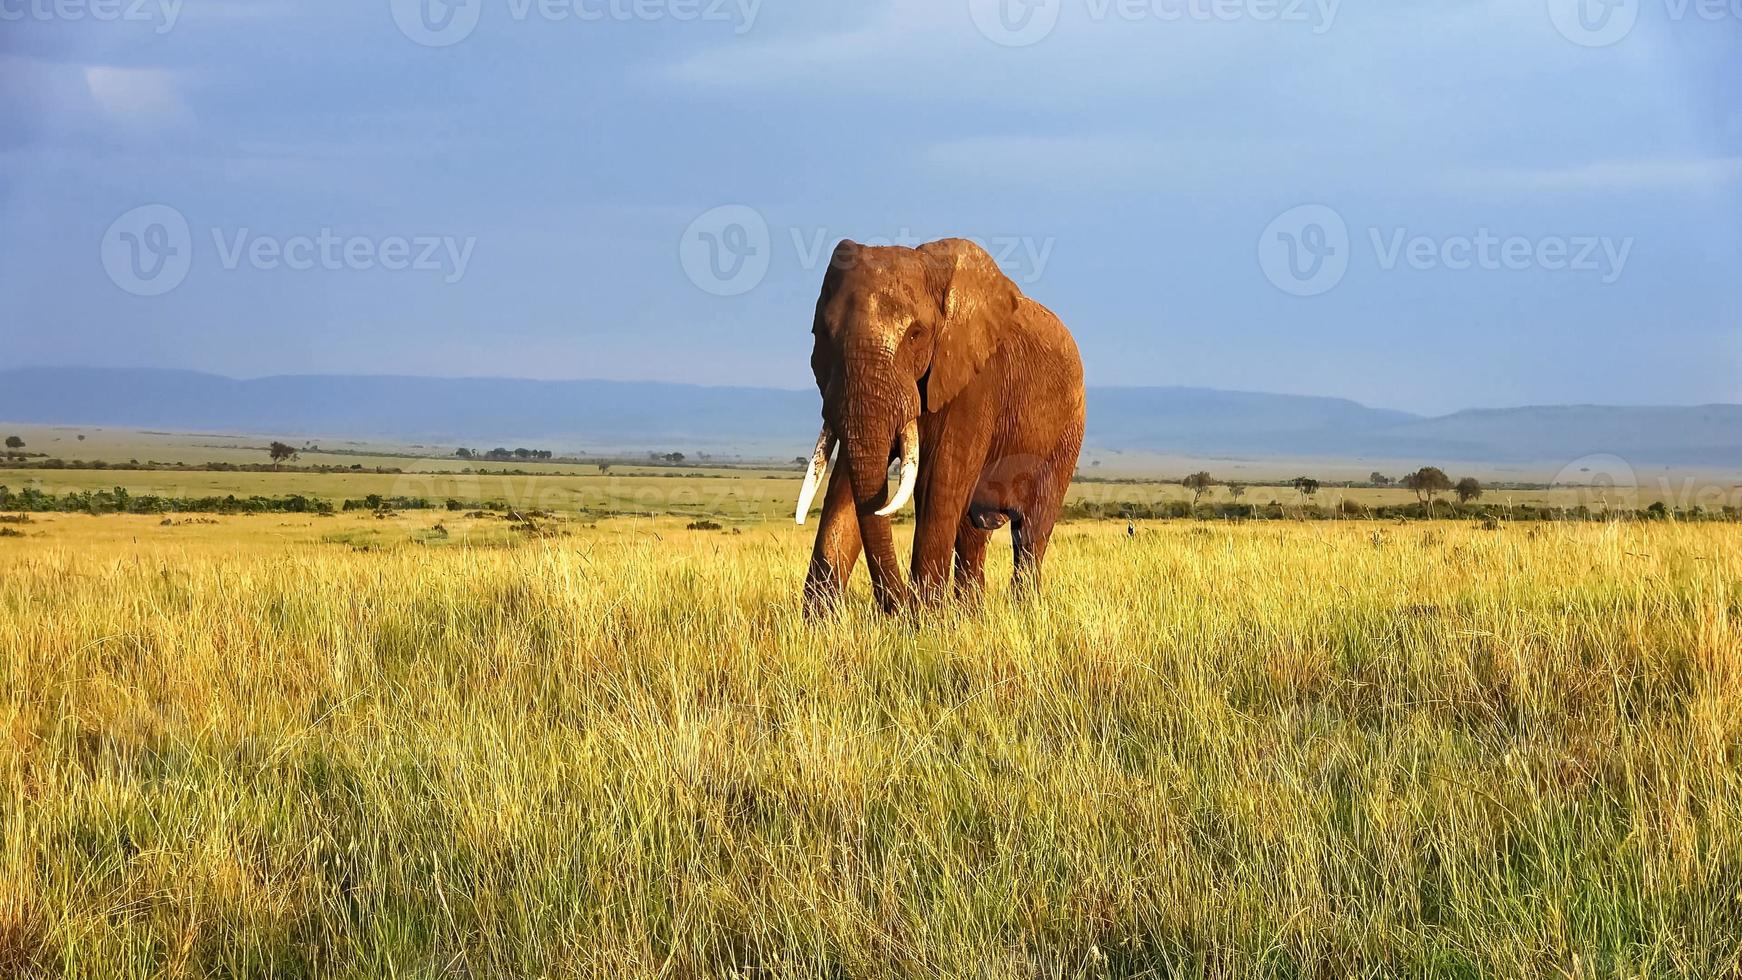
(933, 356)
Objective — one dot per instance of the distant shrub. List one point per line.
(378, 502)
(120, 501)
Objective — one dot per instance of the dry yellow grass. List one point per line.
(251, 749)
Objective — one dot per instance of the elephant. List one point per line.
(934, 357)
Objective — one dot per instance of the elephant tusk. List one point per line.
(909, 468)
(814, 476)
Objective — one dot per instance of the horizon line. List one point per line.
(774, 388)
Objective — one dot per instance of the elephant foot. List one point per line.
(822, 593)
(897, 603)
(818, 606)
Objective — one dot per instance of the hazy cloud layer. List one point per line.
(1136, 153)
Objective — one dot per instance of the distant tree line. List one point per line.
(55, 463)
(1355, 510)
(1428, 483)
(121, 501)
(500, 454)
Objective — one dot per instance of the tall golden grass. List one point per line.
(1267, 750)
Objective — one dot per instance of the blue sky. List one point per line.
(558, 187)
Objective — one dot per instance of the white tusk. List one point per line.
(814, 476)
(909, 469)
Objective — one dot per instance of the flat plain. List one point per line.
(430, 744)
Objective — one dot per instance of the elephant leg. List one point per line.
(971, 544)
(837, 547)
(934, 544)
(1029, 536)
(946, 484)
(1032, 531)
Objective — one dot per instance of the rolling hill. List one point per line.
(645, 415)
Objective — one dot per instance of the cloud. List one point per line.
(1687, 174)
(146, 97)
(1092, 160)
(1121, 161)
(766, 62)
(916, 47)
(244, 10)
(44, 101)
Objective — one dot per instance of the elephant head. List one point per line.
(899, 332)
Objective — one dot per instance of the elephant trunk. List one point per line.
(867, 452)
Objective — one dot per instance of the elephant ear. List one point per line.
(822, 366)
(977, 302)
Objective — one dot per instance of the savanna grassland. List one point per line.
(361, 746)
(754, 491)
